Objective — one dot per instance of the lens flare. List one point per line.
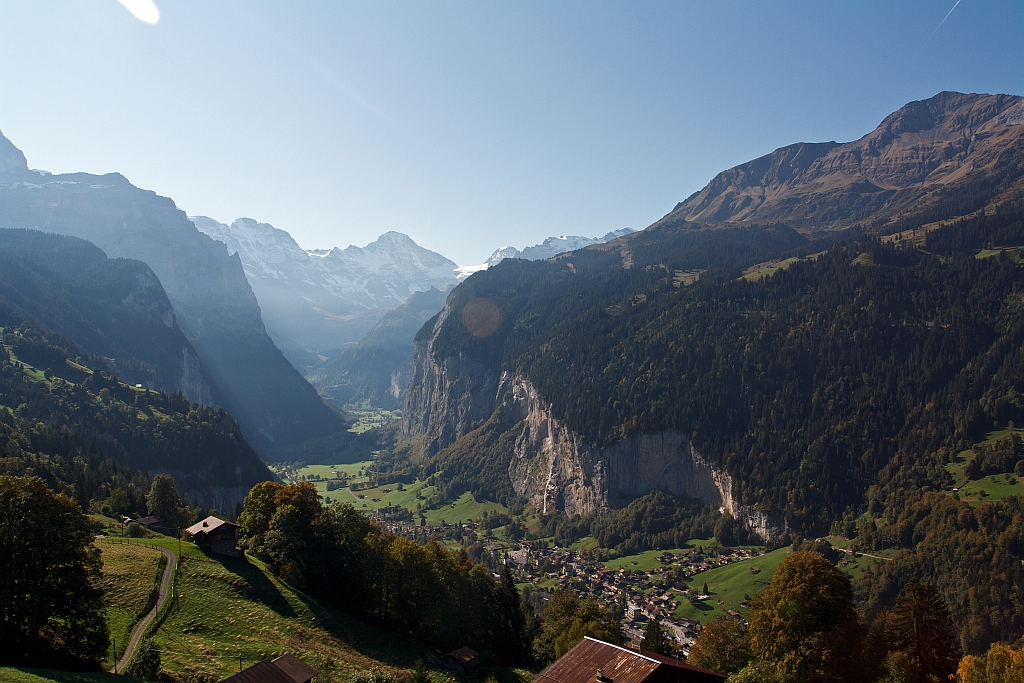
(143, 10)
(481, 318)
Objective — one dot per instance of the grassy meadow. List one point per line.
(731, 584)
(990, 487)
(407, 496)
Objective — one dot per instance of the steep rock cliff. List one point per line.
(552, 467)
(447, 398)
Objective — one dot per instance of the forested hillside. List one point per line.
(65, 419)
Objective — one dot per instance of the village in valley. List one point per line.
(681, 588)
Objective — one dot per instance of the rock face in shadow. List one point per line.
(213, 303)
(918, 155)
(448, 398)
(114, 308)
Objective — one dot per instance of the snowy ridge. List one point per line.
(552, 246)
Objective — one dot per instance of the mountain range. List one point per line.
(213, 303)
(326, 308)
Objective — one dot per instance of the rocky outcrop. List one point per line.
(555, 470)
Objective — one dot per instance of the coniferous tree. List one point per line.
(655, 639)
(921, 629)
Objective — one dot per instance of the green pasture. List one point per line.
(641, 562)
(232, 606)
(731, 584)
(990, 487)
(10, 674)
(464, 509)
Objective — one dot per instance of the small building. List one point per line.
(595, 661)
(216, 535)
(464, 659)
(285, 669)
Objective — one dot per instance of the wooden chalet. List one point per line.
(464, 659)
(285, 669)
(595, 661)
(216, 535)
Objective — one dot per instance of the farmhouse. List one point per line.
(216, 535)
(595, 661)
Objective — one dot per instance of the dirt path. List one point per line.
(141, 627)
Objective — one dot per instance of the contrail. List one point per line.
(946, 17)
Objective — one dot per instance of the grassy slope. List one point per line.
(10, 674)
(994, 486)
(464, 509)
(730, 584)
(128, 575)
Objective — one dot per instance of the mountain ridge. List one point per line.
(926, 146)
(212, 300)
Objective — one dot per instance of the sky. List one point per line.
(469, 125)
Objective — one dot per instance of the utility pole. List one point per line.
(239, 662)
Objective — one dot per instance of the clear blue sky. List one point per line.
(469, 125)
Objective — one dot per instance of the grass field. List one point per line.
(10, 674)
(641, 562)
(991, 487)
(128, 576)
(731, 584)
(769, 268)
(463, 509)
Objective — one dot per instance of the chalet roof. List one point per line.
(260, 672)
(463, 654)
(619, 665)
(297, 670)
(285, 669)
(208, 525)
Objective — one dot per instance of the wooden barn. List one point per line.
(595, 661)
(215, 535)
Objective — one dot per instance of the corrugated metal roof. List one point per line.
(618, 665)
(580, 664)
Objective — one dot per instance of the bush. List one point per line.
(146, 662)
(135, 530)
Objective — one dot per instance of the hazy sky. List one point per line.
(469, 125)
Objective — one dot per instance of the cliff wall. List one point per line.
(552, 467)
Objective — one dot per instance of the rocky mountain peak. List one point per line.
(12, 159)
(949, 139)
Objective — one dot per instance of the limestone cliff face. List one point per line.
(446, 398)
(553, 467)
(555, 470)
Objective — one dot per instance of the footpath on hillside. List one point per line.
(140, 628)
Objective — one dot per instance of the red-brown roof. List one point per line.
(618, 665)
